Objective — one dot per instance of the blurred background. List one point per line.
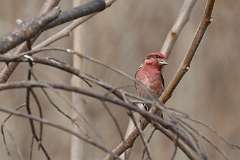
(120, 36)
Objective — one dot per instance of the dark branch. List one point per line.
(77, 12)
(26, 31)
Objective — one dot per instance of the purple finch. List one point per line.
(150, 75)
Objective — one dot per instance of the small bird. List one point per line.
(150, 75)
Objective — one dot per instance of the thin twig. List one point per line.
(68, 102)
(28, 108)
(54, 104)
(31, 148)
(214, 146)
(212, 130)
(181, 144)
(39, 106)
(114, 120)
(145, 144)
(60, 127)
(3, 126)
(148, 140)
(16, 146)
(63, 33)
(175, 149)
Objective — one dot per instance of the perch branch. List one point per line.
(185, 64)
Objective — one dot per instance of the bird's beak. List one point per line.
(162, 62)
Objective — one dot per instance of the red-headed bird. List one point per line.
(150, 75)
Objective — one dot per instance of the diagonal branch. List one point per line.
(80, 11)
(85, 9)
(8, 69)
(26, 31)
(185, 64)
(177, 27)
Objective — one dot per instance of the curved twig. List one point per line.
(60, 127)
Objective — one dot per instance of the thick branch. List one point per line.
(26, 31)
(83, 10)
(77, 12)
(185, 64)
(8, 69)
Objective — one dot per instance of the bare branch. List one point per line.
(85, 9)
(31, 122)
(8, 69)
(145, 144)
(114, 120)
(63, 33)
(176, 29)
(60, 127)
(54, 104)
(92, 6)
(185, 64)
(26, 31)
(3, 126)
(175, 150)
(39, 106)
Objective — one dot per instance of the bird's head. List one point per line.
(156, 59)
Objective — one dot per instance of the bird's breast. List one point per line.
(151, 78)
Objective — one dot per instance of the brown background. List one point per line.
(120, 37)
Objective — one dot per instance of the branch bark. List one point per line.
(7, 70)
(80, 11)
(26, 31)
(185, 64)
